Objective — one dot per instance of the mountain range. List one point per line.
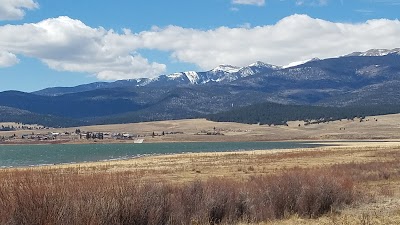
(356, 79)
(223, 74)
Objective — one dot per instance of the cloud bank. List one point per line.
(294, 38)
(69, 45)
(15, 9)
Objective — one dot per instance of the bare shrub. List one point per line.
(43, 197)
(306, 193)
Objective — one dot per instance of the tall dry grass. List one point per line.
(41, 197)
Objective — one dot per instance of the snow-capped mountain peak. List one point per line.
(265, 65)
(174, 76)
(226, 68)
(298, 63)
(192, 76)
(376, 52)
(258, 64)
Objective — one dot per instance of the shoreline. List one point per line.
(312, 140)
(246, 149)
(323, 146)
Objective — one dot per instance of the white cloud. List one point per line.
(8, 59)
(15, 9)
(294, 38)
(70, 45)
(245, 25)
(249, 2)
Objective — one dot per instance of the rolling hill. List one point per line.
(278, 114)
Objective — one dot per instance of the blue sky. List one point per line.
(46, 43)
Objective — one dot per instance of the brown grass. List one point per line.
(291, 187)
(34, 197)
(236, 165)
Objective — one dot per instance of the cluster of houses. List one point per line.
(47, 134)
(77, 135)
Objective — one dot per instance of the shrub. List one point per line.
(43, 197)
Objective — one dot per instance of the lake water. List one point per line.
(34, 155)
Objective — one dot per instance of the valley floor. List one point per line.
(373, 167)
(372, 164)
(201, 130)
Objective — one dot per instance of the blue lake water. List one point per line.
(34, 155)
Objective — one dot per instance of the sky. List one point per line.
(49, 43)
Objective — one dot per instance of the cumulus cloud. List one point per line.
(69, 45)
(8, 59)
(249, 2)
(294, 38)
(15, 9)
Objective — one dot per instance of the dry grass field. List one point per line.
(376, 127)
(351, 184)
(344, 183)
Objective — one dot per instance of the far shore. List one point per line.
(375, 128)
(153, 161)
(330, 142)
(378, 131)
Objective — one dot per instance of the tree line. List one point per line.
(278, 114)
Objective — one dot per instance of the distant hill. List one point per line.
(137, 104)
(277, 114)
(99, 102)
(8, 114)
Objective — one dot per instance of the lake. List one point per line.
(35, 155)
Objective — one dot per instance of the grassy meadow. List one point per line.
(327, 185)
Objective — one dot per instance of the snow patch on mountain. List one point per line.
(175, 76)
(246, 71)
(226, 69)
(376, 52)
(298, 63)
(255, 68)
(264, 65)
(192, 76)
(145, 82)
(370, 71)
